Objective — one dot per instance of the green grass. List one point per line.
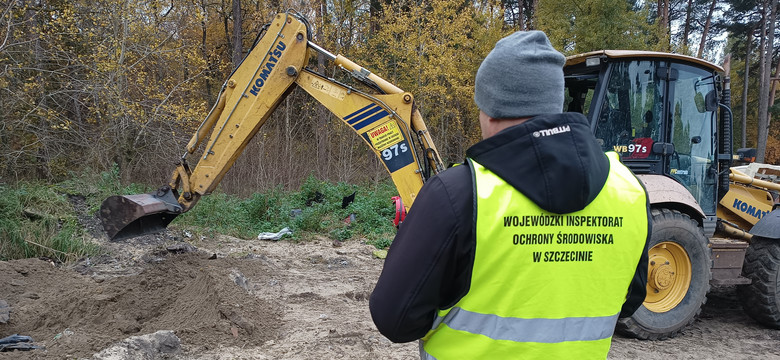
(272, 211)
(97, 186)
(37, 219)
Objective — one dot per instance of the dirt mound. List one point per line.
(203, 301)
(266, 300)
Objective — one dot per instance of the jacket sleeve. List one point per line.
(637, 290)
(429, 263)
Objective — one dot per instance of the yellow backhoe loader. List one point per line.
(667, 115)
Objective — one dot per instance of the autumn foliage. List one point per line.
(87, 84)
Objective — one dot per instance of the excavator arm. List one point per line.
(386, 119)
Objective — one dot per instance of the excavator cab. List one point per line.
(659, 113)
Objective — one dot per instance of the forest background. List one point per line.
(95, 85)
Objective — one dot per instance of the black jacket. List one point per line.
(430, 261)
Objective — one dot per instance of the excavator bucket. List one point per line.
(769, 225)
(134, 215)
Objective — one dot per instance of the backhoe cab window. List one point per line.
(629, 120)
(643, 102)
(693, 115)
(579, 92)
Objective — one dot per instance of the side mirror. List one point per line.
(706, 103)
(663, 148)
(710, 101)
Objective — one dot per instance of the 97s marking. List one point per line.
(632, 148)
(393, 151)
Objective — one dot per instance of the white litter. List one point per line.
(274, 236)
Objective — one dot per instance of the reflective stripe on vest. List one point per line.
(544, 285)
(534, 330)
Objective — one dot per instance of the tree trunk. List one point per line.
(288, 172)
(763, 100)
(772, 92)
(663, 21)
(374, 14)
(323, 114)
(663, 14)
(238, 38)
(667, 23)
(205, 52)
(520, 15)
(687, 29)
(745, 82)
(226, 24)
(706, 29)
(531, 23)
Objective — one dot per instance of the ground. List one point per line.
(228, 298)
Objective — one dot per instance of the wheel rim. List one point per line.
(668, 276)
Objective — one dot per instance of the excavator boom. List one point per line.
(385, 118)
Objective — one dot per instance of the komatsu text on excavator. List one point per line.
(386, 119)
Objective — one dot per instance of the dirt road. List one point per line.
(266, 300)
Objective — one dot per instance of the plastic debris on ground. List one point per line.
(66, 332)
(349, 219)
(181, 248)
(347, 200)
(274, 236)
(17, 342)
(5, 312)
(162, 344)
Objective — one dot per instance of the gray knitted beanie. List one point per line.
(521, 77)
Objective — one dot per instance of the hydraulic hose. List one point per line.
(725, 143)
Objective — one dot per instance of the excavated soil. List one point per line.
(250, 299)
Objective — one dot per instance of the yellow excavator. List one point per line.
(667, 116)
(385, 118)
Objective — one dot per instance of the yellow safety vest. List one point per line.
(544, 285)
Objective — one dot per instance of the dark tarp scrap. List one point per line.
(17, 342)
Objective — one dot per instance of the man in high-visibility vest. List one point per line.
(535, 246)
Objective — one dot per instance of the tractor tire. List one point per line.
(761, 298)
(678, 278)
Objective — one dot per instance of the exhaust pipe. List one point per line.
(128, 216)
